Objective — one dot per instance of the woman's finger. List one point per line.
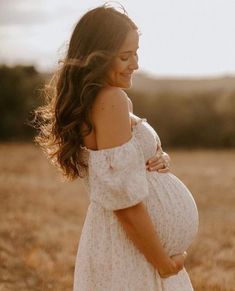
(157, 167)
(154, 158)
(157, 155)
(165, 170)
(159, 164)
(159, 158)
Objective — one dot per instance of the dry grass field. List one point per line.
(41, 219)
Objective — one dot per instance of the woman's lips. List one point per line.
(126, 75)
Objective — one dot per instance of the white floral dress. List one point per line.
(107, 260)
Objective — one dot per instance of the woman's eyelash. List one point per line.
(126, 58)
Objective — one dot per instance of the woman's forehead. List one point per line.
(131, 43)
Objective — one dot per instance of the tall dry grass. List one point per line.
(41, 219)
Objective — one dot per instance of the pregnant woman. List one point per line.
(139, 223)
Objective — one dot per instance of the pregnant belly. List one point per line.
(173, 211)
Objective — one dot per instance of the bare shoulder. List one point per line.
(111, 118)
(110, 95)
(110, 101)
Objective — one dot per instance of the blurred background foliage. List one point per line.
(185, 113)
(19, 95)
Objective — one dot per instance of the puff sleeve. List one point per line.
(117, 176)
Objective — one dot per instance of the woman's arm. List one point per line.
(113, 128)
(140, 229)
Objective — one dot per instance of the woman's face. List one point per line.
(125, 63)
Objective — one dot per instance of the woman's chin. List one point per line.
(125, 85)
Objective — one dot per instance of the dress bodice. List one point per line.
(143, 132)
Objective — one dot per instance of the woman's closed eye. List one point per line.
(126, 58)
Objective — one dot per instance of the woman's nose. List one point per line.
(134, 63)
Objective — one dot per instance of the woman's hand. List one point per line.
(177, 264)
(159, 162)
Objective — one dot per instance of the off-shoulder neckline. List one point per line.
(133, 127)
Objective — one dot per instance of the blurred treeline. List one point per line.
(185, 114)
(19, 95)
(188, 113)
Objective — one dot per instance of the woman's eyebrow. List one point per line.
(125, 52)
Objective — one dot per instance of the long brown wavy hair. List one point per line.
(80, 76)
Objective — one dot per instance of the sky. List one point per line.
(181, 38)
